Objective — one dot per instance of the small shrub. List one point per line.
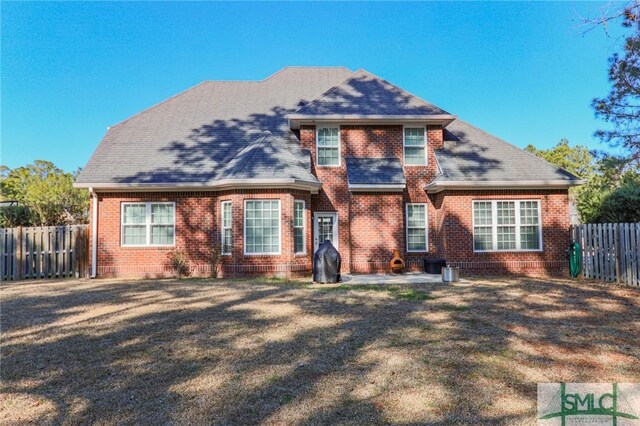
(12, 216)
(214, 259)
(179, 263)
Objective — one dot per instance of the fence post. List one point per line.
(19, 254)
(617, 251)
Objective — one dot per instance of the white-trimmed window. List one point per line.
(148, 224)
(416, 227)
(328, 146)
(262, 227)
(298, 227)
(507, 225)
(415, 146)
(226, 232)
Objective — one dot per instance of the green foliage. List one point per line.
(576, 160)
(12, 216)
(48, 193)
(611, 191)
(621, 107)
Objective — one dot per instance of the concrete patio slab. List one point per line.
(406, 278)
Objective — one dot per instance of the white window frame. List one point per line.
(318, 146)
(494, 225)
(222, 228)
(426, 145)
(147, 223)
(426, 227)
(303, 227)
(244, 230)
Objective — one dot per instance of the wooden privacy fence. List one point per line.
(44, 252)
(610, 251)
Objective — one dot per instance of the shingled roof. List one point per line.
(201, 136)
(238, 132)
(471, 155)
(364, 94)
(375, 173)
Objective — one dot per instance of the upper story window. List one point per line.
(415, 146)
(148, 224)
(328, 146)
(505, 225)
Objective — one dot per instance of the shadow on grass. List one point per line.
(238, 352)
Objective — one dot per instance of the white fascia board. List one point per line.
(220, 185)
(379, 187)
(497, 184)
(295, 120)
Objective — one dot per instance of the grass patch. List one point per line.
(454, 308)
(401, 293)
(290, 352)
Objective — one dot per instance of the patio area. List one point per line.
(395, 279)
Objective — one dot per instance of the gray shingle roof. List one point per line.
(473, 155)
(366, 94)
(371, 171)
(238, 130)
(205, 133)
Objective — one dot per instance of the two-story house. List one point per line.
(264, 171)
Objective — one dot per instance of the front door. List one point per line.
(325, 227)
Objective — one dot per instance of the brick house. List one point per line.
(263, 171)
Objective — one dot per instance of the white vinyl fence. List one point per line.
(43, 252)
(610, 251)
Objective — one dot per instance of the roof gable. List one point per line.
(364, 94)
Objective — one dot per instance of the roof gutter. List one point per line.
(435, 187)
(377, 187)
(221, 185)
(94, 234)
(295, 120)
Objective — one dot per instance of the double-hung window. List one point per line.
(262, 227)
(415, 146)
(416, 227)
(298, 227)
(226, 234)
(148, 224)
(328, 144)
(506, 225)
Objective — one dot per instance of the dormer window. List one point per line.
(415, 146)
(328, 146)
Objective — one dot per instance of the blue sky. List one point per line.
(522, 71)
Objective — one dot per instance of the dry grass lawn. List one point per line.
(248, 352)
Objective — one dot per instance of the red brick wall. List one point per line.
(371, 225)
(457, 233)
(197, 232)
(371, 141)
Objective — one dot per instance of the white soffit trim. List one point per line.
(295, 120)
(498, 184)
(221, 185)
(362, 187)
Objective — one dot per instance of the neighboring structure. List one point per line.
(264, 171)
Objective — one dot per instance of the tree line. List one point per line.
(41, 194)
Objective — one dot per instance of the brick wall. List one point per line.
(371, 225)
(197, 230)
(455, 210)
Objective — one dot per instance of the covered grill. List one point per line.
(326, 264)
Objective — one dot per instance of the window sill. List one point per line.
(150, 247)
(508, 251)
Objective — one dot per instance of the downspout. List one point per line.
(94, 233)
